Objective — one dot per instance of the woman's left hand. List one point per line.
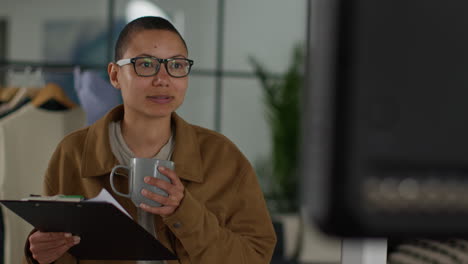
(175, 190)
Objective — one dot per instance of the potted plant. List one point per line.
(280, 171)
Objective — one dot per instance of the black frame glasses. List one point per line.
(157, 66)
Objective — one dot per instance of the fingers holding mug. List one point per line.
(174, 189)
(175, 180)
(173, 199)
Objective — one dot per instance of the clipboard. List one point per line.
(106, 232)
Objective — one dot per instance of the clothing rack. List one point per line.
(35, 68)
(29, 74)
(52, 67)
(55, 67)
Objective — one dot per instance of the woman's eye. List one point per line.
(178, 65)
(146, 64)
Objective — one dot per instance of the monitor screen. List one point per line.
(385, 121)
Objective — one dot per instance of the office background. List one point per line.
(223, 93)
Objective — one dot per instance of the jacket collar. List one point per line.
(98, 159)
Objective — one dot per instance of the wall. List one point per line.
(26, 18)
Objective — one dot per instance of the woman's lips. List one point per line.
(161, 99)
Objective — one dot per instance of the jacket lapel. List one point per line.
(97, 161)
(186, 156)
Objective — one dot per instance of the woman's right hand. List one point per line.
(46, 247)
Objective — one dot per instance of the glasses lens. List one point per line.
(146, 66)
(178, 67)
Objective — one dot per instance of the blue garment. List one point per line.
(97, 96)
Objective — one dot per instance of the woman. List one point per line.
(215, 211)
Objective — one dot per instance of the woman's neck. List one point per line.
(145, 137)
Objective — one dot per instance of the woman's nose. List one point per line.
(162, 76)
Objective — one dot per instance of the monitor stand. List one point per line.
(364, 251)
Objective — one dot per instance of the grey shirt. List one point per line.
(123, 154)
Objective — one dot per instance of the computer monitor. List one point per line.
(385, 120)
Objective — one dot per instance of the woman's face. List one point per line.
(155, 96)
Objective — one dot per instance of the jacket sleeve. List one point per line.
(247, 236)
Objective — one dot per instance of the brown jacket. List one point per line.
(222, 218)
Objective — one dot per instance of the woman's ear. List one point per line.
(112, 70)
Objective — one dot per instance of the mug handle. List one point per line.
(112, 180)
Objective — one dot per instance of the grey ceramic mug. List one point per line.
(138, 169)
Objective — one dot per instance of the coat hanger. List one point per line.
(7, 93)
(52, 91)
(20, 95)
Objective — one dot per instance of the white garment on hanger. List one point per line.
(28, 138)
(19, 95)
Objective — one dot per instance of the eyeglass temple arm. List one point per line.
(124, 62)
